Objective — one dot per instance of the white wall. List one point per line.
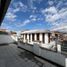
(14, 37)
(6, 39)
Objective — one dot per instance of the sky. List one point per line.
(36, 14)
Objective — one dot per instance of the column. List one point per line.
(27, 38)
(59, 48)
(65, 62)
(35, 36)
(24, 39)
(30, 37)
(41, 37)
(46, 38)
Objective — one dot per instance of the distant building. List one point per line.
(41, 36)
(13, 35)
(45, 38)
(4, 31)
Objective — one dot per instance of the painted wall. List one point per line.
(6, 39)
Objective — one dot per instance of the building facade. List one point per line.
(39, 36)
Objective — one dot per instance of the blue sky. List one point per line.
(36, 14)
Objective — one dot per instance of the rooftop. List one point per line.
(36, 31)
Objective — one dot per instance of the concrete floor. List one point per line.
(11, 56)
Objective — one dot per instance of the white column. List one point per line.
(65, 62)
(24, 39)
(27, 37)
(41, 37)
(30, 37)
(59, 48)
(35, 36)
(46, 38)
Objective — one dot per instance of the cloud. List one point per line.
(19, 6)
(10, 16)
(50, 2)
(32, 16)
(16, 10)
(55, 17)
(60, 3)
(6, 26)
(54, 14)
(33, 19)
(50, 14)
(51, 10)
(30, 4)
(66, 3)
(61, 27)
(25, 22)
(28, 21)
(12, 10)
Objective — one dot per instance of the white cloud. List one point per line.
(22, 24)
(60, 3)
(30, 3)
(31, 19)
(6, 26)
(50, 2)
(10, 16)
(25, 22)
(19, 6)
(51, 10)
(61, 27)
(16, 10)
(55, 17)
(51, 14)
(32, 16)
(54, 14)
(11, 13)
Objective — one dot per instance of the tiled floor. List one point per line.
(11, 56)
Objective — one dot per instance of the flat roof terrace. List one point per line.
(11, 56)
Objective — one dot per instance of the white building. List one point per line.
(36, 36)
(41, 37)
